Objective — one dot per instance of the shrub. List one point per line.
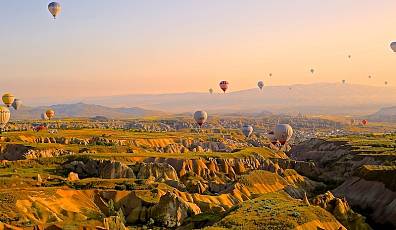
(111, 207)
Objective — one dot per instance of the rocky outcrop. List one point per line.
(8, 227)
(185, 145)
(171, 211)
(113, 223)
(108, 169)
(159, 171)
(365, 181)
(231, 167)
(305, 168)
(341, 210)
(35, 154)
(13, 152)
(72, 176)
(370, 195)
(211, 175)
(100, 168)
(164, 145)
(334, 160)
(158, 203)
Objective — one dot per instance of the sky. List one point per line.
(102, 47)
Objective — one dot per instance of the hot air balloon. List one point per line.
(270, 74)
(369, 76)
(54, 8)
(247, 130)
(385, 82)
(364, 122)
(8, 99)
(224, 85)
(343, 81)
(44, 116)
(272, 138)
(312, 71)
(200, 117)
(16, 104)
(349, 56)
(260, 84)
(4, 117)
(50, 113)
(283, 133)
(393, 46)
(211, 91)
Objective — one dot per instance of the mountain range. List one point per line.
(84, 111)
(321, 98)
(387, 114)
(318, 98)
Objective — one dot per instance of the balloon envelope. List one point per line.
(211, 91)
(247, 130)
(260, 84)
(224, 85)
(364, 122)
(283, 133)
(200, 117)
(50, 113)
(393, 46)
(54, 8)
(8, 99)
(16, 104)
(4, 116)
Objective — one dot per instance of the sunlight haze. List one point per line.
(100, 48)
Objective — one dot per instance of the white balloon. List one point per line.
(283, 132)
(247, 130)
(200, 117)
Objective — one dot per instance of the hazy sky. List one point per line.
(109, 47)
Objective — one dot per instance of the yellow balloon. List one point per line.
(4, 116)
(8, 99)
(50, 113)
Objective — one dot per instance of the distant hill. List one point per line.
(387, 114)
(83, 110)
(320, 98)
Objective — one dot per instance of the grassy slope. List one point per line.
(372, 144)
(273, 211)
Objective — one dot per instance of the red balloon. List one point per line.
(224, 85)
(364, 122)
